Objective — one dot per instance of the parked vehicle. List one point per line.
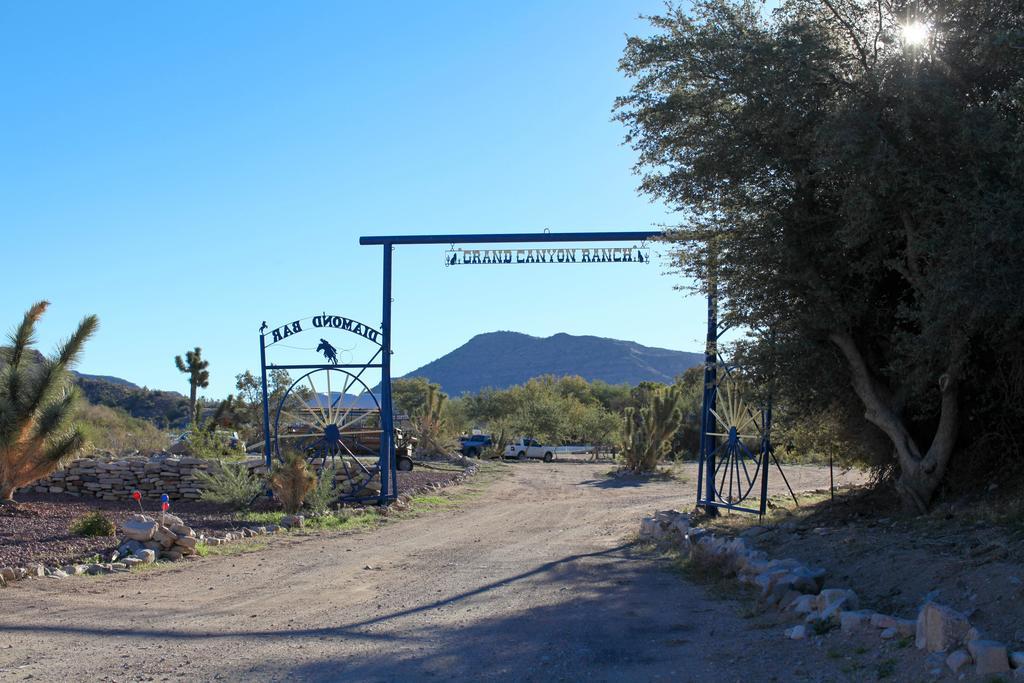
(531, 448)
(474, 445)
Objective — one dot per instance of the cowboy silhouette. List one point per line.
(330, 353)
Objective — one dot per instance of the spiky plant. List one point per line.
(430, 423)
(648, 429)
(292, 481)
(36, 403)
(198, 377)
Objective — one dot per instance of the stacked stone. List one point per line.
(107, 478)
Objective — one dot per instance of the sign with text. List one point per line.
(480, 257)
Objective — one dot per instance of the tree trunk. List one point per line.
(920, 473)
(192, 404)
(7, 494)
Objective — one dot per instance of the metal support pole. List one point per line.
(710, 400)
(266, 402)
(386, 464)
(766, 454)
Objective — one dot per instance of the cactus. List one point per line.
(649, 428)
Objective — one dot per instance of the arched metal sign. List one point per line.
(329, 413)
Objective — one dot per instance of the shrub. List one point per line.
(320, 497)
(115, 430)
(292, 482)
(93, 524)
(229, 483)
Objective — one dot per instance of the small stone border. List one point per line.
(793, 588)
(180, 541)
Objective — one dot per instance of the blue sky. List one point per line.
(188, 170)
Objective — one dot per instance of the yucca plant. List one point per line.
(36, 404)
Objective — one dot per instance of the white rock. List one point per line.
(139, 530)
(957, 660)
(1017, 660)
(889, 633)
(940, 628)
(145, 555)
(851, 621)
(798, 632)
(989, 657)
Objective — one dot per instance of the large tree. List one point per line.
(851, 176)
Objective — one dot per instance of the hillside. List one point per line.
(163, 408)
(503, 359)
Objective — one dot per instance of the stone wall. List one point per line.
(110, 478)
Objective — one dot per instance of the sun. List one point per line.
(916, 33)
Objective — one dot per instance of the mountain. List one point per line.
(109, 379)
(504, 359)
(163, 408)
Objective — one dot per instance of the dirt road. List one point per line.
(533, 580)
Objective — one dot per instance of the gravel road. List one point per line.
(534, 580)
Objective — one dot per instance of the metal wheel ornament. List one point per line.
(332, 427)
(737, 463)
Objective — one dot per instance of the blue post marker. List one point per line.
(266, 407)
(386, 464)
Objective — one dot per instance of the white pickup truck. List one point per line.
(531, 448)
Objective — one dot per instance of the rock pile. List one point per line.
(791, 587)
(114, 479)
(147, 539)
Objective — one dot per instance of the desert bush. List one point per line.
(320, 497)
(206, 443)
(292, 482)
(230, 483)
(113, 429)
(93, 524)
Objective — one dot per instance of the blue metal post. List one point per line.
(710, 398)
(388, 485)
(266, 402)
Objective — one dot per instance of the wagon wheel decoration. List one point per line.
(736, 467)
(321, 417)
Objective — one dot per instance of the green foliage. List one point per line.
(93, 524)
(212, 445)
(229, 483)
(549, 409)
(244, 412)
(856, 198)
(112, 429)
(165, 409)
(198, 376)
(37, 404)
(648, 428)
(320, 498)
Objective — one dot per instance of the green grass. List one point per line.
(237, 548)
(886, 669)
(341, 520)
(431, 501)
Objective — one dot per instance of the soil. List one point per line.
(896, 561)
(37, 530)
(535, 577)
